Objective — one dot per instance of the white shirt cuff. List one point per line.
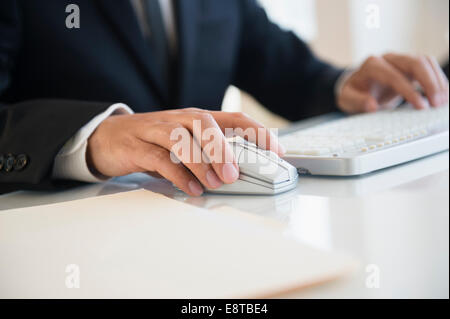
(70, 163)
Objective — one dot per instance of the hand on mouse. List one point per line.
(125, 144)
(381, 79)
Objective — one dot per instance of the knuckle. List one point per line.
(424, 60)
(240, 115)
(373, 59)
(410, 57)
(193, 110)
(420, 64)
(370, 64)
(388, 55)
(204, 117)
(160, 155)
(209, 117)
(421, 60)
(175, 126)
(155, 124)
(167, 127)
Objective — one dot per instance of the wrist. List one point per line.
(94, 146)
(90, 160)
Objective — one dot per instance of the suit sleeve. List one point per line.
(36, 129)
(279, 69)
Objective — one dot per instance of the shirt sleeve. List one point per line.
(70, 163)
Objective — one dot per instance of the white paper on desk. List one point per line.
(143, 245)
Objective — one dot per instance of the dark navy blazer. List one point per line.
(54, 79)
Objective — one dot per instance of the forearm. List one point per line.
(280, 70)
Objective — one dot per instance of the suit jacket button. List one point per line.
(9, 163)
(21, 162)
(2, 161)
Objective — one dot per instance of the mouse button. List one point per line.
(237, 150)
(242, 141)
(277, 174)
(255, 165)
(273, 156)
(290, 168)
(251, 145)
(248, 155)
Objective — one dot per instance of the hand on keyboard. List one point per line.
(381, 80)
(365, 143)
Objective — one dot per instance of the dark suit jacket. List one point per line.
(446, 69)
(53, 80)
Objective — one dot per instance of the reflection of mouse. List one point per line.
(261, 172)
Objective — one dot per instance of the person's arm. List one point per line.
(71, 163)
(38, 130)
(44, 130)
(279, 69)
(31, 132)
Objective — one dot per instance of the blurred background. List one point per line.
(345, 32)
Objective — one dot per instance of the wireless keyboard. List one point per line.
(365, 143)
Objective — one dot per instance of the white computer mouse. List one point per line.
(261, 172)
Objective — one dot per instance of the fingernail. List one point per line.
(230, 173)
(195, 188)
(423, 104)
(213, 180)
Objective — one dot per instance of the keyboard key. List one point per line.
(310, 152)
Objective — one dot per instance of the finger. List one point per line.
(380, 70)
(354, 101)
(195, 160)
(214, 145)
(247, 128)
(156, 159)
(250, 130)
(421, 71)
(442, 78)
(178, 140)
(154, 175)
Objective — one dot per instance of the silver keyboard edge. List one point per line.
(374, 161)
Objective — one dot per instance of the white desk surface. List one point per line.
(396, 219)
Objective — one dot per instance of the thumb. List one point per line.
(354, 101)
